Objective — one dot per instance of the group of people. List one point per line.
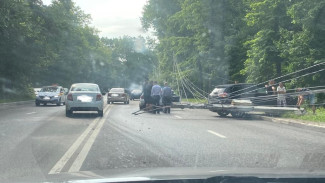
(153, 93)
(304, 94)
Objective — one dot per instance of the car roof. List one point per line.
(51, 86)
(84, 84)
(229, 85)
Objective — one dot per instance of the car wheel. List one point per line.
(223, 113)
(124, 102)
(100, 113)
(68, 113)
(37, 103)
(58, 103)
(128, 102)
(63, 103)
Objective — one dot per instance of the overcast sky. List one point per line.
(113, 18)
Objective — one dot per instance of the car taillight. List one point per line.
(223, 95)
(70, 97)
(98, 97)
(142, 97)
(109, 94)
(123, 95)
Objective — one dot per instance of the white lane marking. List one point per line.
(65, 158)
(30, 113)
(75, 167)
(217, 134)
(178, 117)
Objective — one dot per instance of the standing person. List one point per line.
(281, 90)
(270, 88)
(147, 94)
(306, 94)
(166, 97)
(155, 94)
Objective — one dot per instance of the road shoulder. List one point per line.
(319, 126)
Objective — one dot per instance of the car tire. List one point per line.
(223, 113)
(63, 103)
(58, 103)
(37, 103)
(108, 102)
(68, 113)
(124, 102)
(100, 113)
(128, 102)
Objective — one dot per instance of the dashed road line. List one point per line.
(30, 113)
(178, 117)
(217, 134)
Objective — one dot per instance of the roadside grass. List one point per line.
(9, 99)
(309, 116)
(195, 101)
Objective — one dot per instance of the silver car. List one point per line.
(52, 95)
(84, 97)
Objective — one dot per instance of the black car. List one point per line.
(223, 94)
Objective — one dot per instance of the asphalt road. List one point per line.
(40, 143)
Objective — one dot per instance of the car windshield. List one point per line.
(150, 89)
(83, 87)
(49, 89)
(117, 90)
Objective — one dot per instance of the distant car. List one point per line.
(84, 97)
(51, 94)
(118, 95)
(175, 98)
(135, 94)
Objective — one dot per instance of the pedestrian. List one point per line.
(155, 94)
(147, 94)
(281, 90)
(306, 94)
(166, 97)
(270, 88)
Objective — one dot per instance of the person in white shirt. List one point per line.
(281, 90)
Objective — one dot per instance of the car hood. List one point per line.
(49, 94)
(146, 174)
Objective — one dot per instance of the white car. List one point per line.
(84, 97)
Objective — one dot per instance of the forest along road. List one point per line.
(38, 143)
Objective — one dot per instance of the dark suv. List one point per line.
(223, 94)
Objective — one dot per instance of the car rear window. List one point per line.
(49, 89)
(84, 88)
(119, 90)
(218, 90)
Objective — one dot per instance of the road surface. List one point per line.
(40, 143)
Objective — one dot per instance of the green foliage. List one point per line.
(319, 115)
(216, 42)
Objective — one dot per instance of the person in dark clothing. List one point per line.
(166, 97)
(147, 93)
(270, 88)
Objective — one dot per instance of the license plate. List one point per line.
(84, 98)
(46, 98)
(115, 95)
